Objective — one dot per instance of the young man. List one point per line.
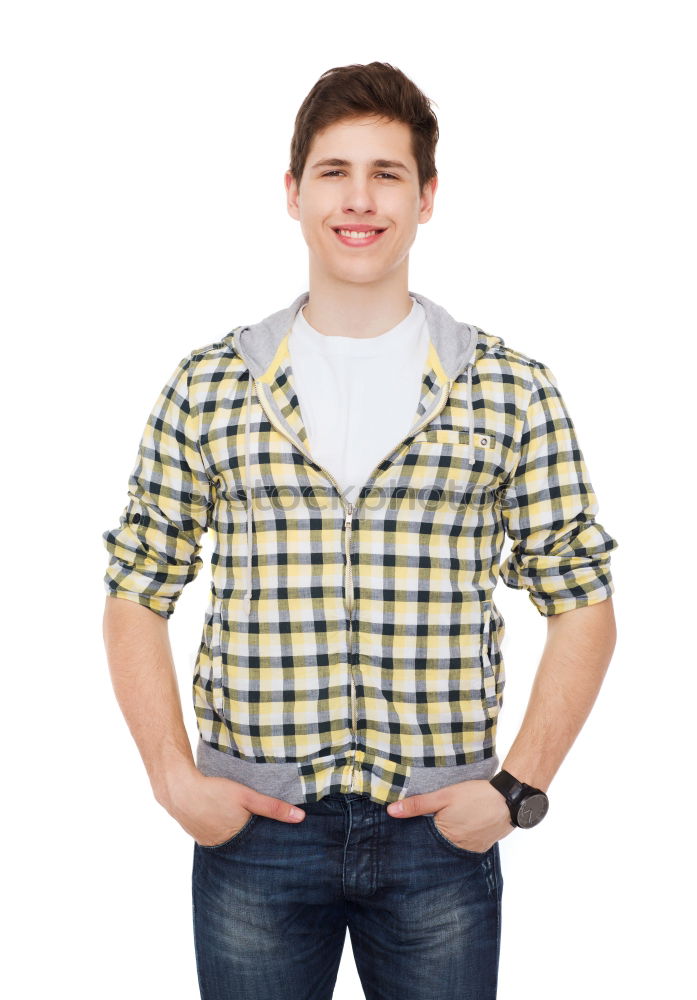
(360, 456)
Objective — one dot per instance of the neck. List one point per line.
(351, 309)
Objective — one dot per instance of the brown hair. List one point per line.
(375, 88)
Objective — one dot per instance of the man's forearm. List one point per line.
(577, 653)
(145, 682)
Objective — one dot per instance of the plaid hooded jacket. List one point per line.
(357, 648)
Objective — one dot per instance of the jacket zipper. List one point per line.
(348, 587)
(350, 510)
(348, 576)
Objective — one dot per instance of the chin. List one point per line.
(362, 278)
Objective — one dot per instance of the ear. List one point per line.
(292, 195)
(426, 201)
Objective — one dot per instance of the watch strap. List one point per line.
(513, 790)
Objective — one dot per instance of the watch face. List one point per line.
(532, 809)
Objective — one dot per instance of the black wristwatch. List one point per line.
(527, 805)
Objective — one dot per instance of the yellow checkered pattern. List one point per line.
(406, 669)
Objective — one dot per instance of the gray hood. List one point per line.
(454, 341)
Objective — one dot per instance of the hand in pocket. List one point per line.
(213, 810)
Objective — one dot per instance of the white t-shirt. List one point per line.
(358, 397)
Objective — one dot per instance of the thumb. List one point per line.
(414, 805)
(268, 805)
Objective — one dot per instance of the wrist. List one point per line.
(171, 780)
(535, 777)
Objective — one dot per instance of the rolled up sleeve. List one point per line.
(560, 553)
(154, 552)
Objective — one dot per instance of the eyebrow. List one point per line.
(333, 161)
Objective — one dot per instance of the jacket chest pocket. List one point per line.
(446, 436)
(442, 459)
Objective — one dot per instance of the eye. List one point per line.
(332, 173)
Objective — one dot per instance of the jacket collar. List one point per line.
(262, 345)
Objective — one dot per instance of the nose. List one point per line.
(358, 197)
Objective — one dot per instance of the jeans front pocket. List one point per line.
(443, 840)
(235, 838)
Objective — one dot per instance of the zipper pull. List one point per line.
(349, 516)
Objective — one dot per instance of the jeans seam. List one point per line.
(498, 885)
(197, 953)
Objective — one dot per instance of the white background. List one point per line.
(143, 215)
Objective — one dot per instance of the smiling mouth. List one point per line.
(355, 232)
(355, 237)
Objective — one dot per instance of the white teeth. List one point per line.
(357, 236)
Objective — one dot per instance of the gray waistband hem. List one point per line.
(282, 781)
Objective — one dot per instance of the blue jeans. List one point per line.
(271, 907)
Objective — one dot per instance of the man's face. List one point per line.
(360, 193)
